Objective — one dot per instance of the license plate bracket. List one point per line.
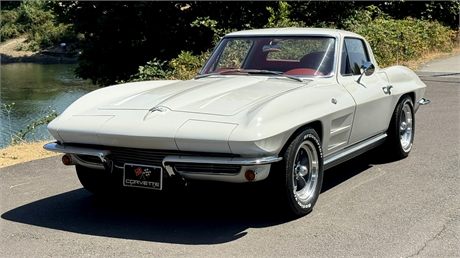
(143, 176)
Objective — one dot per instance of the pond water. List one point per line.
(36, 90)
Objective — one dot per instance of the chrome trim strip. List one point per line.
(219, 160)
(354, 148)
(101, 154)
(340, 130)
(56, 147)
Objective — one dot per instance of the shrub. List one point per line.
(187, 65)
(399, 40)
(152, 70)
(36, 20)
(9, 27)
(280, 18)
(391, 40)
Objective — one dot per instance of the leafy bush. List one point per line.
(9, 27)
(187, 65)
(391, 40)
(399, 40)
(153, 70)
(36, 20)
(21, 136)
(280, 18)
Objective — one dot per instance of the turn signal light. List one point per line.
(66, 160)
(250, 175)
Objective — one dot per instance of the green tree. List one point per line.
(118, 37)
(34, 19)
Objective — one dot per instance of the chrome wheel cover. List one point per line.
(406, 127)
(305, 174)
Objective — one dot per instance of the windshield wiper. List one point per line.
(251, 71)
(273, 72)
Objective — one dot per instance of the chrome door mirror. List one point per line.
(367, 68)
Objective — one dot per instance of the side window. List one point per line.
(354, 54)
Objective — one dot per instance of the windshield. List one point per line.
(297, 56)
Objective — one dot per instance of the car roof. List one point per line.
(293, 31)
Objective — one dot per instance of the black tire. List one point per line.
(401, 131)
(303, 170)
(94, 180)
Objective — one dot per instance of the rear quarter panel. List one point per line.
(405, 81)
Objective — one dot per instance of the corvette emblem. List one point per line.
(143, 174)
(159, 109)
(138, 171)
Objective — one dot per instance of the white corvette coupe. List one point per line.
(280, 105)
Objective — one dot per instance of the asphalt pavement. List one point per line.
(367, 208)
(446, 67)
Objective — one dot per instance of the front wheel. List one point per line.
(94, 180)
(303, 172)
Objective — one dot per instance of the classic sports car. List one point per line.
(280, 105)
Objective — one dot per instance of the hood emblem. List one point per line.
(158, 109)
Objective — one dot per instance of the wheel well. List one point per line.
(411, 95)
(316, 125)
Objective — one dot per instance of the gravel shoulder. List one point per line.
(24, 152)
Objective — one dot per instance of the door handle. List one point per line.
(387, 89)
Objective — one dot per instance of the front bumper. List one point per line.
(187, 166)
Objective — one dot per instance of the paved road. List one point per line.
(445, 67)
(368, 208)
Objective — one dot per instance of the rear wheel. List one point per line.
(303, 167)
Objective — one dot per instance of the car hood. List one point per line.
(223, 95)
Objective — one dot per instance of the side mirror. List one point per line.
(367, 68)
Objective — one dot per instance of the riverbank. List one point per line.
(52, 55)
(24, 152)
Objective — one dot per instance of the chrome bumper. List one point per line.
(421, 102)
(424, 101)
(260, 165)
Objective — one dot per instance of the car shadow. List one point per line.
(210, 214)
(353, 167)
(196, 217)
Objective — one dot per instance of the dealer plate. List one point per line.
(143, 176)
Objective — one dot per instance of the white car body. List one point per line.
(237, 118)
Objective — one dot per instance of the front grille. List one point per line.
(207, 168)
(150, 157)
(139, 156)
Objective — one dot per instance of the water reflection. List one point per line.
(34, 88)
